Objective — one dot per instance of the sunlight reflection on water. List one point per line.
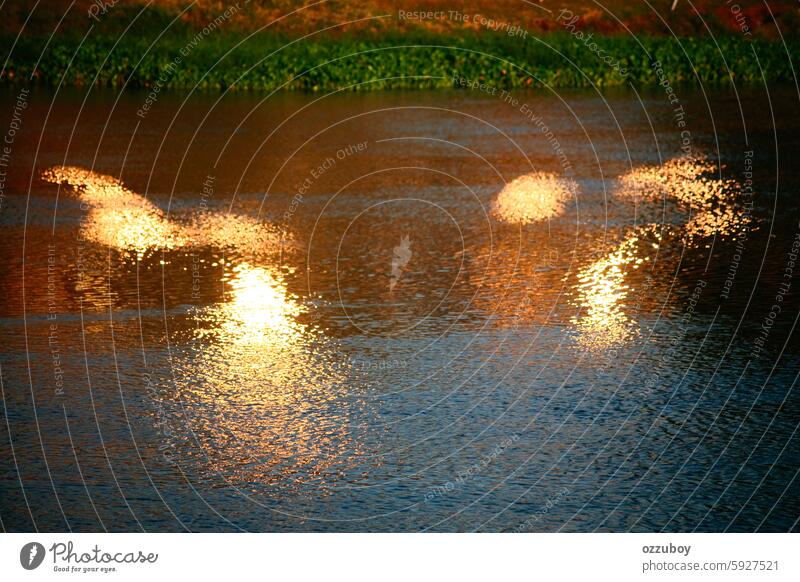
(407, 323)
(118, 217)
(266, 401)
(602, 294)
(604, 290)
(128, 222)
(533, 197)
(694, 184)
(268, 392)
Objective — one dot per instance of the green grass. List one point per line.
(363, 63)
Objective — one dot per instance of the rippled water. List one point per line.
(400, 312)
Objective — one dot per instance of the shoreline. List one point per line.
(421, 61)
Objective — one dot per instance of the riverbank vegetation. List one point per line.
(241, 45)
(421, 60)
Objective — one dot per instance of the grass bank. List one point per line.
(219, 60)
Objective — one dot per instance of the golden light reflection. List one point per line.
(127, 221)
(268, 389)
(260, 311)
(268, 399)
(242, 233)
(715, 221)
(603, 293)
(691, 182)
(533, 197)
(118, 217)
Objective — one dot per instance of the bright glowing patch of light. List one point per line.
(533, 197)
(118, 217)
(602, 295)
(691, 182)
(260, 310)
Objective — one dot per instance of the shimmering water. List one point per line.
(401, 312)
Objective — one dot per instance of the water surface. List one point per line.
(400, 312)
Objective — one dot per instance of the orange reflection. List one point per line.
(260, 311)
(127, 221)
(256, 329)
(533, 197)
(603, 288)
(242, 233)
(603, 292)
(268, 389)
(118, 217)
(691, 182)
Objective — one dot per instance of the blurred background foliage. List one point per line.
(164, 43)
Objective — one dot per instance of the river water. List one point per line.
(443, 311)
